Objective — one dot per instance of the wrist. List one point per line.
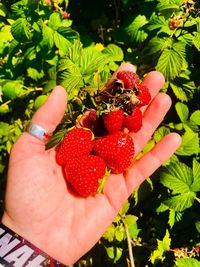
(15, 251)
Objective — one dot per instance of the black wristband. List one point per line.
(15, 251)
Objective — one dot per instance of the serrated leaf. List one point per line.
(163, 246)
(61, 43)
(135, 31)
(187, 262)
(114, 52)
(195, 187)
(120, 233)
(91, 60)
(169, 63)
(195, 117)
(155, 45)
(181, 202)
(182, 111)
(178, 177)
(196, 41)
(179, 92)
(160, 133)
(131, 222)
(20, 30)
(190, 143)
(48, 37)
(75, 51)
(69, 76)
(124, 208)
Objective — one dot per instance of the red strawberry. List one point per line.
(84, 173)
(133, 122)
(113, 120)
(129, 78)
(78, 142)
(89, 120)
(116, 149)
(143, 95)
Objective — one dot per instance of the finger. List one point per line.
(154, 81)
(51, 112)
(118, 187)
(151, 161)
(48, 116)
(153, 116)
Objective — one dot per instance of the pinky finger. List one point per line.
(151, 161)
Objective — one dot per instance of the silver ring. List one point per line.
(39, 132)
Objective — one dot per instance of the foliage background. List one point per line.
(79, 44)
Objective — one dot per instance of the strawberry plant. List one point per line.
(79, 44)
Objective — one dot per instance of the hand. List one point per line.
(39, 205)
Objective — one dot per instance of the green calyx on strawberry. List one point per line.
(116, 149)
(85, 173)
(76, 143)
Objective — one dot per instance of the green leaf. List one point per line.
(190, 143)
(20, 30)
(12, 89)
(195, 117)
(35, 74)
(48, 37)
(154, 46)
(163, 246)
(195, 187)
(187, 262)
(178, 177)
(179, 92)
(114, 52)
(131, 222)
(182, 111)
(169, 63)
(197, 225)
(91, 60)
(160, 133)
(55, 21)
(3, 10)
(110, 233)
(120, 232)
(124, 208)
(196, 41)
(135, 31)
(69, 76)
(181, 202)
(114, 253)
(61, 43)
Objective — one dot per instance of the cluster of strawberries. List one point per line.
(101, 143)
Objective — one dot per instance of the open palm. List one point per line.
(42, 208)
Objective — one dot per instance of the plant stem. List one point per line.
(129, 246)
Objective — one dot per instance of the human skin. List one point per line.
(41, 207)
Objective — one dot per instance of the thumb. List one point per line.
(48, 116)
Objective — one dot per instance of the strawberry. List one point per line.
(133, 122)
(113, 120)
(78, 142)
(117, 150)
(89, 120)
(128, 78)
(143, 95)
(84, 174)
